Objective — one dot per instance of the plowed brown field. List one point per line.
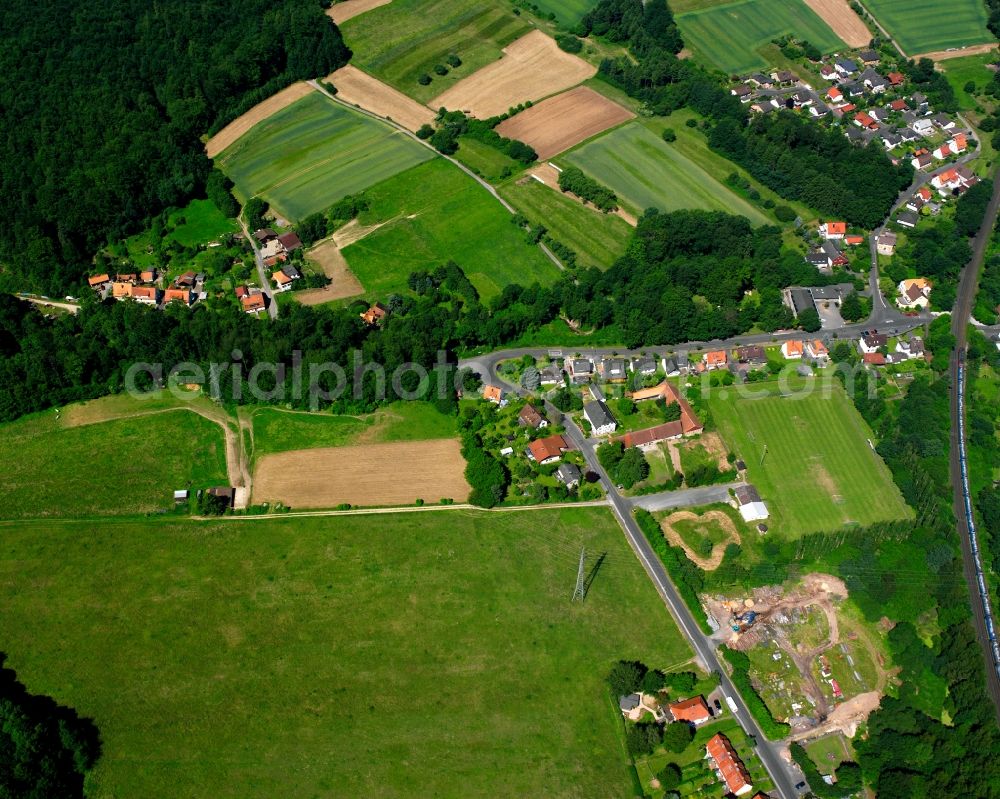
(532, 67)
(397, 473)
(341, 12)
(560, 122)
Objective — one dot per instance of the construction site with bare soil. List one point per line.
(812, 659)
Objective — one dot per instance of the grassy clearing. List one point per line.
(730, 36)
(819, 472)
(922, 26)
(828, 752)
(598, 239)
(119, 467)
(273, 657)
(401, 41)
(961, 71)
(202, 222)
(438, 213)
(277, 430)
(309, 155)
(646, 172)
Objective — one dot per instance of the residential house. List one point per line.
(264, 235)
(547, 450)
(896, 79)
(802, 98)
(186, 281)
(694, 710)
(743, 92)
(581, 370)
(943, 121)
(923, 126)
(833, 251)
(177, 295)
(749, 503)
(671, 367)
(907, 219)
(147, 295)
(946, 181)
(918, 99)
(273, 249)
(99, 282)
(569, 475)
(651, 436)
(817, 350)
(147, 276)
(728, 765)
(290, 242)
(494, 394)
(716, 359)
(833, 230)
(922, 161)
(644, 365)
(613, 370)
(253, 303)
(943, 151)
(130, 277)
(898, 105)
(891, 140)
(291, 271)
(602, 423)
(375, 314)
(282, 282)
(828, 73)
(914, 293)
(792, 349)
(868, 57)
(820, 260)
(752, 354)
(530, 417)
(845, 66)
(908, 135)
(853, 89)
(834, 95)
(761, 81)
(864, 120)
(871, 342)
(959, 143)
(885, 244)
(853, 240)
(873, 359)
(550, 375)
(630, 705)
(784, 76)
(914, 348)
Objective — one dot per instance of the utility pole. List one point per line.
(581, 579)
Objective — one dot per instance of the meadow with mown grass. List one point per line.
(314, 152)
(729, 37)
(421, 654)
(434, 213)
(921, 26)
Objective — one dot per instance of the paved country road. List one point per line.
(959, 328)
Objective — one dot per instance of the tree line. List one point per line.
(101, 138)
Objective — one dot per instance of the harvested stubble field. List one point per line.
(397, 473)
(842, 20)
(242, 124)
(343, 283)
(361, 89)
(920, 26)
(348, 9)
(531, 68)
(563, 121)
(309, 155)
(730, 36)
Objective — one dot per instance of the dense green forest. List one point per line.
(45, 749)
(103, 105)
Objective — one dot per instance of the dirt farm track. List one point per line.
(556, 124)
(396, 473)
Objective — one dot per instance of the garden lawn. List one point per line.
(278, 430)
(435, 213)
(819, 472)
(405, 39)
(646, 172)
(312, 153)
(199, 223)
(922, 26)
(118, 467)
(425, 654)
(730, 36)
(598, 239)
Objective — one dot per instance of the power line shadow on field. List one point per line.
(592, 575)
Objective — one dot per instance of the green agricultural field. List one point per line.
(423, 654)
(567, 12)
(730, 36)
(435, 213)
(200, 222)
(819, 472)
(278, 430)
(117, 467)
(309, 155)
(646, 172)
(598, 239)
(487, 162)
(922, 26)
(405, 39)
